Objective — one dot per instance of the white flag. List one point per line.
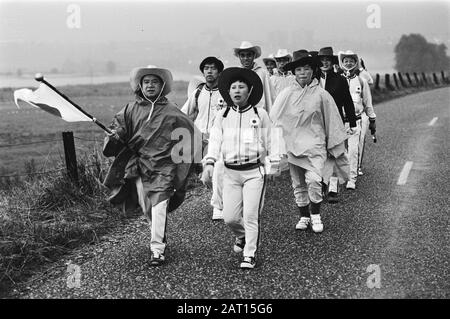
(48, 100)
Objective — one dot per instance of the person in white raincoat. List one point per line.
(282, 79)
(247, 53)
(362, 99)
(312, 130)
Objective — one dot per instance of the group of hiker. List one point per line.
(307, 112)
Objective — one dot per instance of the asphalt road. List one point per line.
(382, 240)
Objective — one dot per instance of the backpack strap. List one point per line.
(225, 114)
(197, 93)
(256, 111)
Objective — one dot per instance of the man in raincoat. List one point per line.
(151, 165)
(312, 130)
(282, 79)
(247, 53)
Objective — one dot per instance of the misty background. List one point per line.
(114, 37)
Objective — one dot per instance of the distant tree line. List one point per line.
(413, 53)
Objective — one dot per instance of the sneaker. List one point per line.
(302, 223)
(248, 263)
(360, 172)
(332, 197)
(316, 223)
(157, 259)
(351, 185)
(217, 214)
(239, 245)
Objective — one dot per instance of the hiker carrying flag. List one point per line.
(147, 173)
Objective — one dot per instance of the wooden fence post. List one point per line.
(444, 80)
(417, 79)
(387, 82)
(377, 82)
(395, 80)
(424, 77)
(400, 76)
(408, 77)
(435, 79)
(70, 155)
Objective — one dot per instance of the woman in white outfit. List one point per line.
(241, 135)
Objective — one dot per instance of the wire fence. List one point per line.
(31, 170)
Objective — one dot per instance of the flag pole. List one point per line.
(40, 78)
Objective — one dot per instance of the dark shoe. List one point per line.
(248, 263)
(239, 245)
(157, 259)
(332, 197)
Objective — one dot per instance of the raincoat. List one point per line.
(149, 154)
(268, 89)
(311, 124)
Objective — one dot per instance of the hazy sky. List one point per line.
(36, 34)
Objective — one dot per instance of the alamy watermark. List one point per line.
(73, 275)
(374, 279)
(73, 21)
(374, 19)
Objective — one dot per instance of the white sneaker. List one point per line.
(316, 223)
(217, 214)
(302, 223)
(351, 185)
(360, 172)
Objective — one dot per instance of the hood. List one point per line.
(348, 53)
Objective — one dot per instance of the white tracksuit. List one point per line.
(362, 99)
(242, 139)
(209, 103)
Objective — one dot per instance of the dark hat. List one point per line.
(328, 52)
(300, 57)
(230, 75)
(212, 60)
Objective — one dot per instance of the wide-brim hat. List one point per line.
(282, 53)
(138, 73)
(327, 52)
(229, 75)
(247, 46)
(300, 57)
(211, 60)
(269, 58)
(348, 54)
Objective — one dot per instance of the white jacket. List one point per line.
(241, 137)
(268, 91)
(361, 96)
(209, 103)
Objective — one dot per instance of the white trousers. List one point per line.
(243, 200)
(217, 185)
(354, 142)
(307, 185)
(156, 216)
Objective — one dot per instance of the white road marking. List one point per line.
(433, 121)
(404, 173)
